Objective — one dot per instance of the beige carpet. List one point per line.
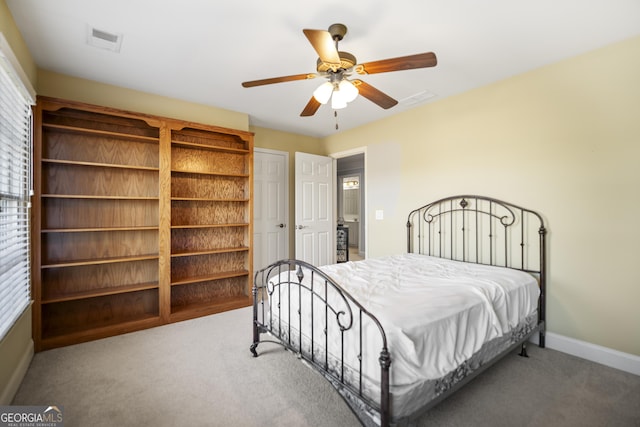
(201, 373)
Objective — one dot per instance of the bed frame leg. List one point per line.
(256, 337)
(523, 350)
(385, 363)
(256, 331)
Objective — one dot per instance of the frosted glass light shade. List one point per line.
(348, 90)
(338, 101)
(323, 92)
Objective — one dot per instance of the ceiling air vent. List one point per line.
(103, 39)
(417, 98)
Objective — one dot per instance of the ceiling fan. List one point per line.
(337, 67)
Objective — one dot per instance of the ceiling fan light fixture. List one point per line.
(347, 90)
(338, 101)
(323, 92)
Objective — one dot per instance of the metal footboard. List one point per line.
(303, 309)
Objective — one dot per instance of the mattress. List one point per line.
(439, 316)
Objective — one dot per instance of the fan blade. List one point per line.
(324, 45)
(311, 108)
(374, 95)
(278, 80)
(421, 60)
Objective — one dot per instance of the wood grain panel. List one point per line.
(98, 149)
(208, 238)
(83, 213)
(94, 120)
(209, 187)
(60, 283)
(76, 316)
(98, 181)
(204, 265)
(202, 161)
(208, 292)
(209, 138)
(205, 213)
(64, 247)
(164, 262)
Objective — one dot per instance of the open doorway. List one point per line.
(351, 206)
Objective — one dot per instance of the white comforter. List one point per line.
(436, 313)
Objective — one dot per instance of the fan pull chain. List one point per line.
(335, 114)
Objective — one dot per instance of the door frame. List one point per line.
(363, 208)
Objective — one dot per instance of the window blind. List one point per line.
(15, 190)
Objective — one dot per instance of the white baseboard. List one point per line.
(11, 388)
(595, 353)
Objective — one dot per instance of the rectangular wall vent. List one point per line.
(103, 39)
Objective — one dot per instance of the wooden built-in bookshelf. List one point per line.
(138, 221)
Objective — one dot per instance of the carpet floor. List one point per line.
(200, 373)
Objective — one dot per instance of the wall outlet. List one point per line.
(379, 214)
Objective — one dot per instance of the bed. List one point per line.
(397, 334)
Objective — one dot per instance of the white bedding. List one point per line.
(436, 313)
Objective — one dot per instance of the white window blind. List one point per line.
(15, 189)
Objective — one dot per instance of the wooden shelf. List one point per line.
(209, 147)
(210, 251)
(94, 293)
(218, 276)
(204, 199)
(89, 131)
(233, 175)
(195, 310)
(81, 262)
(211, 181)
(89, 197)
(177, 227)
(100, 165)
(96, 229)
(88, 332)
(124, 202)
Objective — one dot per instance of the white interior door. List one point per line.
(271, 207)
(315, 224)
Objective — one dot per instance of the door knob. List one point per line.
(300, 227)
(281, 225)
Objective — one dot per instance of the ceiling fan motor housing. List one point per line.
(337, 31)
(347, 61)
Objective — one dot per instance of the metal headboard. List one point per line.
(481, 230)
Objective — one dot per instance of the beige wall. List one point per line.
(12, 34)
(564, 140)
(62, 86)
(17, 347)
(16, 352)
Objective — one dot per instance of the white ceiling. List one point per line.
(201, 50)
